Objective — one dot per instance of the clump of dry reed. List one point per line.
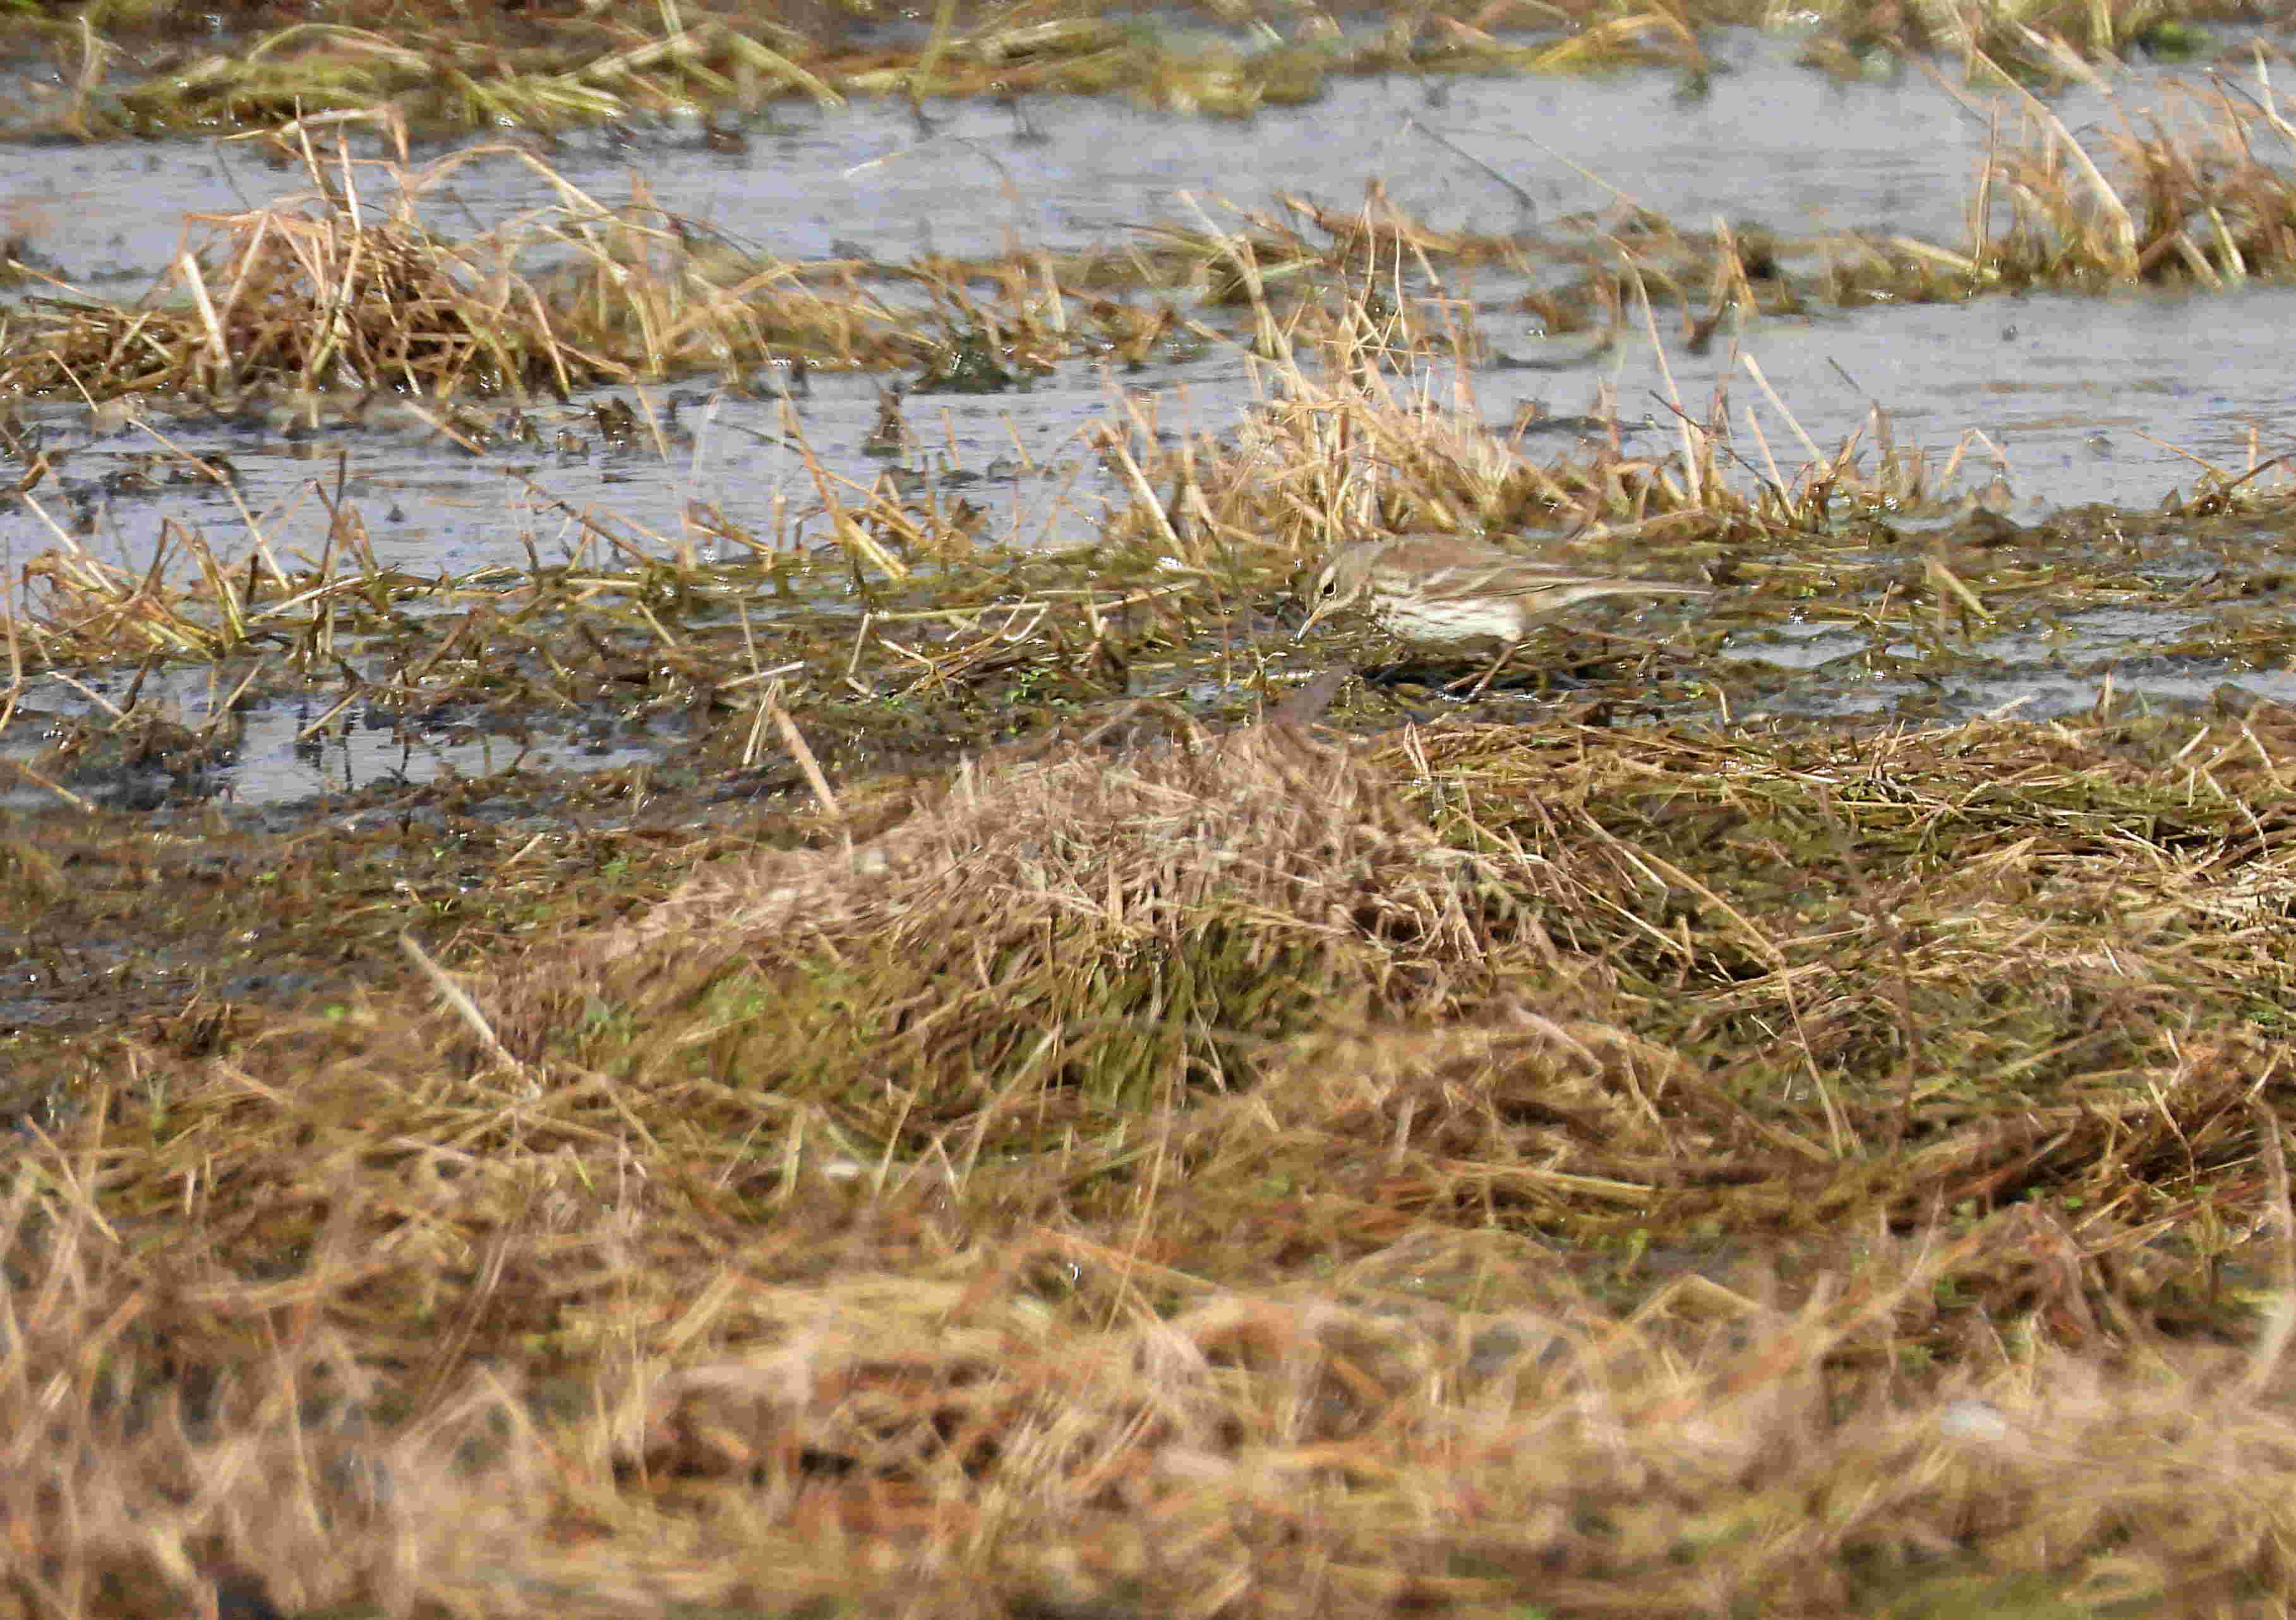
(442, 71)
(1141, 896)
(2190, 191)
(2046, 41)
(1370, 427)
(437, 71)
(329, 293)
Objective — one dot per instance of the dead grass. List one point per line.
(1247, 1176)
(327, 294)
(2194, 190)
(1159, 1171)
(441, 71)
(143, 68)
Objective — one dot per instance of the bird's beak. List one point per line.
(1314, 615)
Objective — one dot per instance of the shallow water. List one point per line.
(2079, 400)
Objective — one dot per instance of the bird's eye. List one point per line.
(1331, 587)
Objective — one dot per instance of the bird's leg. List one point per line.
(1490, 675)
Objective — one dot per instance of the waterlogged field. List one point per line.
(684, 934)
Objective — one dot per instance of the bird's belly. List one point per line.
(1451, 624)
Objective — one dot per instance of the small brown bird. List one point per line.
(1439, 590)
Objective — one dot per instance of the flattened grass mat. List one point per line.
(1493, 1171)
